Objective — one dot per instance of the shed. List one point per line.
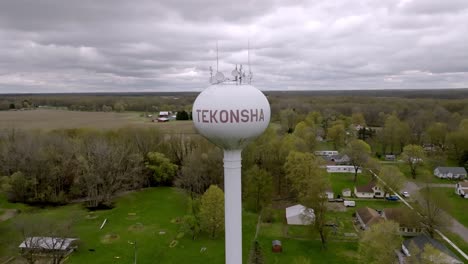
(346, 192)
(276, 246)
(299, 215)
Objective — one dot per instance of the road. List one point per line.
(456, 226)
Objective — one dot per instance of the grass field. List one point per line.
(458, 206)
(140, 217)
(340, 181)
(46, 119)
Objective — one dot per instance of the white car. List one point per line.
(405, 194)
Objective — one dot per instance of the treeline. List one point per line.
(63, 165)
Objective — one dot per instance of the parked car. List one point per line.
(405, 194)
(392, 198)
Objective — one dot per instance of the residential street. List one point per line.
(456, 226)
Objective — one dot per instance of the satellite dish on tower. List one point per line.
(219, 76)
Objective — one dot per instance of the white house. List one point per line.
(346, 192)
(371, 190)
(163, 116)
(326, 152)
(461, 189)
(330, 194)
(299, 215)
(450, 172)
(342, 169)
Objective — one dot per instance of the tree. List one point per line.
(414, 156)
(119, 106)
(258, 188)
(182, 115)
(288, 119)
(379, 243)
(358, 152)
(163, 169)
(337, 134)
(393, 178)
(306, 133)
(190, 225)
(394, 134)
(358, 119)
(256, 255)
(309, 182)
(212, 211)
(431, 207)
(437, 133)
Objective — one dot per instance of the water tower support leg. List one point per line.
(233, 206)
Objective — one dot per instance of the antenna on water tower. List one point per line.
(231, 115)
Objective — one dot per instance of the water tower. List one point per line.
(231, 113)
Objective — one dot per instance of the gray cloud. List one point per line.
(118, 45)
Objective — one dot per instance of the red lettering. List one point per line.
(245, 115)
(234, 116)
(252, 115)
(224, 119)
(204, 116)
(213, 116)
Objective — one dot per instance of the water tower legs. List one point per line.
(233, 206)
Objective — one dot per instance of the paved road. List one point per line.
(456, 226)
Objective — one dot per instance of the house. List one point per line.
(49, 245)
(339, 159)
(461, 189)
(299, 215)
(450, 172)
(366, 217)
(342, 169)
(390, 157)
(330, 194)
(346, 192)
(371, 190)
(163, 116)
(408, 220)
(326, 153)
(416, 246)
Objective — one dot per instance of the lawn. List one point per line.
(340, 181)
(140, 217)
(458, 205)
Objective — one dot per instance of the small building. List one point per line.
(330, 194)
(326, 152)
(417, 245)
(342, 169)
(276, 246)
(164, 116)
(299, 215)
(408, 220)
(346, 192)
(450, 172)
(49, 245)
(371, 190)
(340, 159)
(390, 157)
(366, 217)
(461, 189)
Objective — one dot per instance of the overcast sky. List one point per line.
(148, 45)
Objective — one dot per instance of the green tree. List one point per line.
(190, 225)
(306, 133)
(337, 134)
(431, 207)
(379, 243)
(212, 211)
(258, 188)
(358, 119)
(309, 182)
(393, 178)
(163, 169)
(256, 255)
(182, 115)
(358, 152)
(395, 134)
(437, 133)
(119, 106)
(414, 156)
(288, 119)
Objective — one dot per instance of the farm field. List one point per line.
(47, 119)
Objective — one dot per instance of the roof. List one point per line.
(422, 240)
(369, 216)
(50, 243)
(403, 216)
(346, 190)
(453, 170)
(298, 209)
(366, 188)
(463, 184)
